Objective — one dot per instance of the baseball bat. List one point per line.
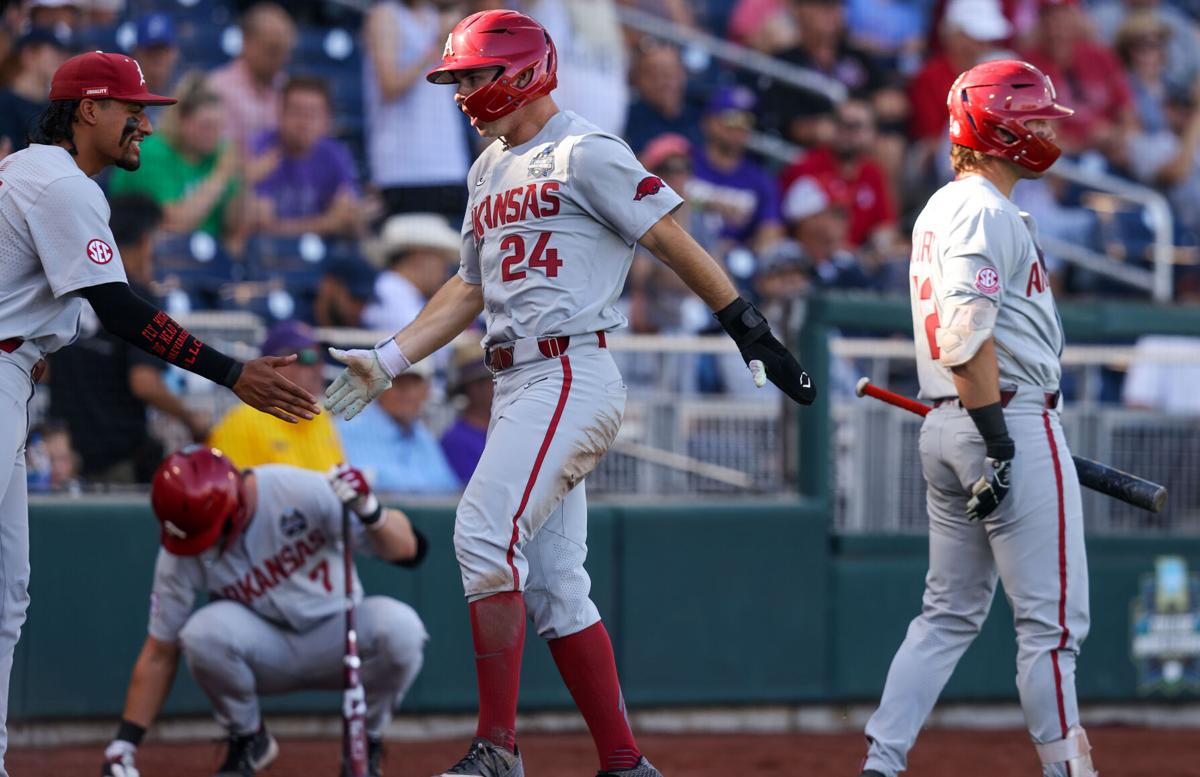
(354, 698)
(1113, 482)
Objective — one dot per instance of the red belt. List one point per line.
(1049, 399)
(500, 357)
(12, 344)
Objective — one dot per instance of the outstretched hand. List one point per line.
(261, 387)
(363, 379)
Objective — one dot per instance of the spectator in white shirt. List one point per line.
(416, 253)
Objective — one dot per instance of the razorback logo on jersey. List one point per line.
(99, 251)
(648, 187)
(523, 203)
(272, 571)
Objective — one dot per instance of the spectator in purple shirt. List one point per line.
(726, 182)
(313, 187)
(463, 441)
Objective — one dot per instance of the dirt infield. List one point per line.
(1120, 752)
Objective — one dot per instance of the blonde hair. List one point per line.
(966, 160)
(193, 93)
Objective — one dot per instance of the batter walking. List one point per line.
(1002, 493)
(56, 250)
(264, 544)
(556, 207)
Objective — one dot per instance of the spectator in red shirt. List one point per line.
(1087, 76)
(969, 31)
(850, 177)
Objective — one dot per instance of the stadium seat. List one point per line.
(196, 264)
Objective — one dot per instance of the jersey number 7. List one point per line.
(541, 257)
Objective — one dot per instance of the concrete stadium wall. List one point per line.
(708, 604)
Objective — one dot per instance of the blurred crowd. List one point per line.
(310, 175)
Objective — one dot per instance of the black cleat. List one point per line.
(248, 753)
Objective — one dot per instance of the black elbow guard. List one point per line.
(422, 550)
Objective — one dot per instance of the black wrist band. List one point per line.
(989, 420)
(130, 732)
(373, 518)
(742, 321)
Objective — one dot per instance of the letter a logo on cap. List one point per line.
(141, 75)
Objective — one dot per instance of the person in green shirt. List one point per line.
(196, 178)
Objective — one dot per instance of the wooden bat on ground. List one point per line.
(1092, 474)
(354, 698)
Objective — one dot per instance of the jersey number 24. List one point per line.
(540, 257)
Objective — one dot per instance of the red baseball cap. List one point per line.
(103, 76)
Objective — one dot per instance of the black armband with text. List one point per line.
(139, 323)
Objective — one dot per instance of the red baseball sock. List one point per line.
(585, 661)
(498, 630)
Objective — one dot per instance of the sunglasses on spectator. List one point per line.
(853, 125)
(307, 356)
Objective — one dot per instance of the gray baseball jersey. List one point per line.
(550, 234)
(54, 239)
(286, 566)
(971, 242)
(551, 227)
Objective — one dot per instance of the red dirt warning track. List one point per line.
(1119, 752)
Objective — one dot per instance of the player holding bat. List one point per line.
(1002, 492)
(267, 545)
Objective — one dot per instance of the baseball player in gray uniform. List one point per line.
(556, 207)
(56, 250)
(1002, 492)
(266, 546)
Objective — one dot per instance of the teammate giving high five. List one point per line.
(556, 207)
(56, 251)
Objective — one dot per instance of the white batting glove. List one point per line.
(351, 487)
(758, 372)
(363, 379)
(118, 759)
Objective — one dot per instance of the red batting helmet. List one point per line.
(510, 41)
(990, 104)
(198, 497)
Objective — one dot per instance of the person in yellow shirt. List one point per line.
(252, 438)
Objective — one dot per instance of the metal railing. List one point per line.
(1158, 281)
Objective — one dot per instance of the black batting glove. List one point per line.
(989, 491)
(750, 330)
(993, 485)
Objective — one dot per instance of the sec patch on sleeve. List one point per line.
(99, 251)
(648, 186)
(987, 280)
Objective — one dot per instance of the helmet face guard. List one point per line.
(990, 106)
(199, 498)
(510, 41)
